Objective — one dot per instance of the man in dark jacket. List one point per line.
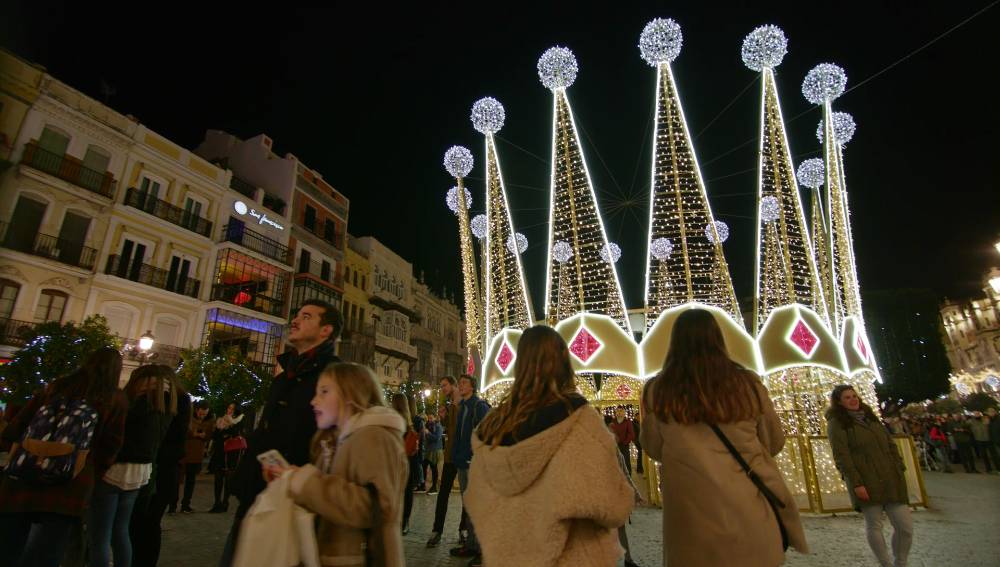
(472, 409)
(287, 422)
(624, 436)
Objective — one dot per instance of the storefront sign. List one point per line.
(241, 208)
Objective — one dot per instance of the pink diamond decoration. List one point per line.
(803, 338)
(862, 347)
(505, 357)
(584, 345)
(623, 392)
(471, 368)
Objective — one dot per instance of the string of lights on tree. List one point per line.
(592, 282)
(506, 303)
(695, 268)
(458, 163)
(812, 174)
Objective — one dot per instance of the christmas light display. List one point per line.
(764, 48)
(506, 303)
(661, 248)
(458, 162)
(478, 225)
(591, 283)
(823, 83)
(611, 253)
(679, 210)
(717, 232)
(843, 128)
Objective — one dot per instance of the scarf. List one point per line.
(859, 416)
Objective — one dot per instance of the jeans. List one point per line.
(967, 457)
(448, 474)
(145, 527)
(902, 532)
(638, 457)
(108, 523)
(987, 451)
(191, 471)
(623, 449)
(34, 539)
(463, 483)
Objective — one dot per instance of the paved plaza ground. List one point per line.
(961, 528)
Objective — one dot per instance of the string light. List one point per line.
(487, 115)
(458, 161)
(660, 41)
(764, 47)
(812, 173)
(824, 83)
(661, 248)
(562, 251)
(557, 68)
(843, 128)
(451, 199)
(770, 209)
(517, 243)
(611, 253)
(478, 226)
(717, 228)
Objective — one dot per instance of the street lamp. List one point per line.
(145, 344)
(427, 393)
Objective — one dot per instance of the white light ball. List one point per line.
(517, 243)
(764, 47)
(770, 210)
(660, 41)
(843, 128)
(478, 226)
(557, 68)
(611, 252)
(458, 161)
(812, 173)
(721, 228)
(825, 82)
(488, 115)
(451, 199)
(562, 251)
(661, 248)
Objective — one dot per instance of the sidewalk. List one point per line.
(960, 529)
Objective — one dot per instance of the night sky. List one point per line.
(372, 99)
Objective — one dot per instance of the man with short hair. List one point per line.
(448, 414)
(287, 422)
(472, 409)
(624, 436)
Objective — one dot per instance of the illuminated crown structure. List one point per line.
(806, 332)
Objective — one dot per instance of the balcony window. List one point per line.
(324, 271)
(250, 283)
(95, 168)
(237, 232)
(330, 231)
(53, 140)
(256, 339)
(51, 305)
(304, 259)
(309, 218)
(8, 295)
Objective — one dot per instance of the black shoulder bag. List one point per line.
(770, 496)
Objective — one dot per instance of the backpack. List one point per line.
(412, 442)
(54, 446)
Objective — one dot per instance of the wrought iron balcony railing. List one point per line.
(65, 250)
(170, 213)
(152, 276)
(69, 169)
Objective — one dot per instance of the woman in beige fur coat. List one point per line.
(545, 486)
(356, 485)
(713, 514)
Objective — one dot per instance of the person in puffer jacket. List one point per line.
(545, 486)
(356, 485)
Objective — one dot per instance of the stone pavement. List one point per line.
(960, 529)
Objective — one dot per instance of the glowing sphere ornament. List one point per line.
(721, 228)
(770, 209)
(611, 253)
(661, 248)
(812, 173)
(458, 161)
(517, 243)
(660, 41)
(764, 48)
(478, 226)
(843, 128)
(451, 199)
(557, 68)
(824, 83)
(562, 251)
(488, 115)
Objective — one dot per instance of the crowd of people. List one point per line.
(954, 442)
(544, 478)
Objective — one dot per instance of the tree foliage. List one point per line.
(223, 378)
(52, 350)
(945, 406)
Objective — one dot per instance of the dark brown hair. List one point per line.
(96, 380)
(543, 375)
(401, 403)
(164, 391)
(331, 316)
(699, 383)
(839, 412)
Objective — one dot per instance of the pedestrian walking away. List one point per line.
(872, 469)
(471, 411)
(448, 414)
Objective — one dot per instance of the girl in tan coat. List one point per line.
(713, 514)
(545, 487)
(356, 486)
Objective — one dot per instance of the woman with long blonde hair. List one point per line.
(712, 425)
(358, 492)
(545, 486)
